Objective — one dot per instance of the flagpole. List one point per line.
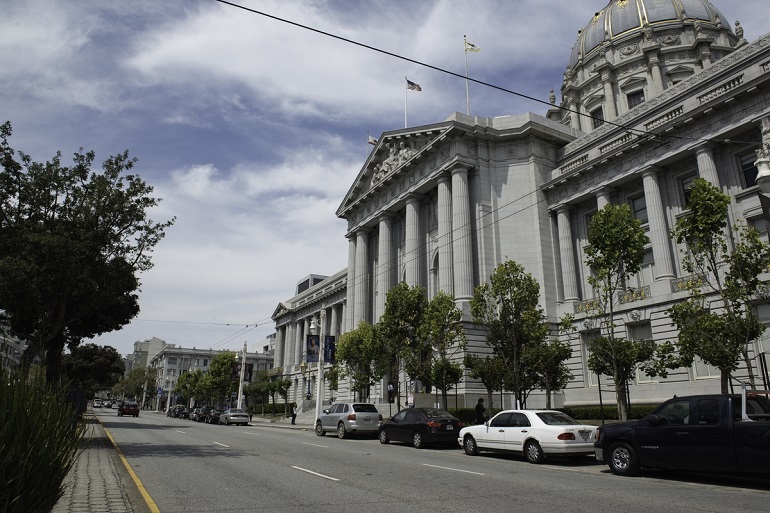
(467, 89)
(406, 90)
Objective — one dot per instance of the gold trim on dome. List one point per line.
(622, 4)
(598, 16)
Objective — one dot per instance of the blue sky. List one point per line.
(251, 130)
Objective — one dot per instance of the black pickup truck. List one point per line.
(713, 433)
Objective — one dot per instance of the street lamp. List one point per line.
(763, 158)
(303, 370)
(321, 341)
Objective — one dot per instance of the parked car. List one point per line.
(200, 414)
(420, 427)
(97, 403)
(213, 416)
(536, 434)
(115, 405)
(175, 411)
(234, 416)
(349, 418)
(194, 413)
(128, 408)
(712, 433)
(107, 404)
(184, 413)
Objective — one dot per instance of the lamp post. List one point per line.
(319, 378)
(303, 370)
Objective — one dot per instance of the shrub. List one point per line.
(39, 437)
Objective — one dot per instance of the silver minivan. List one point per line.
(349, 418)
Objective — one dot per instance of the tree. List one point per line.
(93, 366)
(188, 384)
(219, 378)
(72, 241)
(489, 370)
(259, 388)
(508, 307)
(718, 323)
(359, 353)
(615, 253)
(548, 362)
(442, 329)
(281, 387)
(401, 348)
(140, 382)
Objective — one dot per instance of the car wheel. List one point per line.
(319, 429)
(136, 415)
(383, 436)
(417, 440)
(341, 431)
(533, 452)
(623, 460)
(469, 444)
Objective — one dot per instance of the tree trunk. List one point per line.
(622, 398)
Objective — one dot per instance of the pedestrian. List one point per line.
(480, 411)
(293, 413)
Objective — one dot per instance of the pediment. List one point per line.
(680, 71)
(633, 83)
(280, 310)
(393, 153)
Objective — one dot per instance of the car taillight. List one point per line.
(352, 416)
(460, 424)
(434, 424)
(566, 436)
(598, 434)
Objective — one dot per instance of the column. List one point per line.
(574, 115)
(384, 264)
(609, 97)
(445, 274)
(567, 252)
(657, 79)
(707, 169)
(350, 292)
(299, 341)
(661, 250)
(280, 340)
(361, 283)
(333, 331)
(462, 248)
(603, 197)
(412, 256)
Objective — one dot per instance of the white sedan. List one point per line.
(534, 433)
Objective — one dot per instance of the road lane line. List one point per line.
(315, 473)
(560, 468)
(184, 433)
(223, 445)
(316, 445)
(250, 433)
(454, 469)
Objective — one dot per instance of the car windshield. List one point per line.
(557, 418)
(434, 413)
(236, 410)
(365, 408)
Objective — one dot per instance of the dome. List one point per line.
(622, 19)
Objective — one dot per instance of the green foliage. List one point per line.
(71, 243)
(508, 307)
(188, 385)
(93, 366)
(140, 382)
(219, 379)
(359, 352)
(615, 253)
(489, 370)
(38, 442)
(401, 347)
(718, 331)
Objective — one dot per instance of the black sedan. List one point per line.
(213, 416)
(420, 427)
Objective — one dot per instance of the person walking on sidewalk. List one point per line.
(293, 413)
(480, 411)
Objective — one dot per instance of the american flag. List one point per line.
(413, 86)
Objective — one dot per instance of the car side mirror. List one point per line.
(326, 411)
(652, 419)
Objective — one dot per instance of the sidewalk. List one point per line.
(98, 482)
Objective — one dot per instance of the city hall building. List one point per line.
(655, 94)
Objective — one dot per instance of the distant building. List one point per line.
(145, 351)
(172, 361)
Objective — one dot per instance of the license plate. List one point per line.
(450, 427)
(367, 421)
(585, 434)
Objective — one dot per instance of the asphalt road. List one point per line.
(188, 466)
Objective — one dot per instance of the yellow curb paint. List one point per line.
(150, 503)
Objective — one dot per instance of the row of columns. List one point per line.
(661, 248)
(455, 250)
(290, 338)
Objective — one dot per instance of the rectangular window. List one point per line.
(641, 332)
(172, 360)
(597, 117)
(749, 169)
(639, 209)
(704, 371)
(762, 227)
(686, 185)
(635, 98)
(592, 379)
